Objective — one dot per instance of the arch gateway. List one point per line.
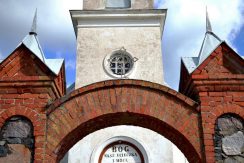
(120, 109)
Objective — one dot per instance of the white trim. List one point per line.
(118, 18)
(117, 25)
(118, 21)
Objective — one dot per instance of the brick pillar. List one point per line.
(27, 86)
(217, 84)
(213, 105)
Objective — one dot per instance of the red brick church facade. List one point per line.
(188, 118)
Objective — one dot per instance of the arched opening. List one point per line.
(128, 119)
(113, 144)
(133, 103)
(229, 138)
(17, 140)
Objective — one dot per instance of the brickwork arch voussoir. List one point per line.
(30, 114)
(128, 102)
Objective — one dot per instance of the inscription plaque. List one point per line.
(121, 152)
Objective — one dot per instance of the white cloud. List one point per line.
(70, 64)
(54, 28)
(185, 29)
(183, 34)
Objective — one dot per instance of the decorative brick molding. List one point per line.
(221, 71)
(22, 69)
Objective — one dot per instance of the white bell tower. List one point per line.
(118, 39)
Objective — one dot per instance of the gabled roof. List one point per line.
(210, 42)
(55, 64)
(32, 43)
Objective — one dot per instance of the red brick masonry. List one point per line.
(28, 88)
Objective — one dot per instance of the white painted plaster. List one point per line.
(158, 148)
(93, 44)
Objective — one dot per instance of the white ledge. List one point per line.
(118, 18)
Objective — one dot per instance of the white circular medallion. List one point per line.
(120, 150)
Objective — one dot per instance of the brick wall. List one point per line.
(218, 85)
(29, 89)
(27, 86)
(215, 104)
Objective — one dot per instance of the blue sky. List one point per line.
(183, 33)
(239, 41)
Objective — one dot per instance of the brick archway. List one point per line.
(128, 102)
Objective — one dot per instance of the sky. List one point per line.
(183, 32)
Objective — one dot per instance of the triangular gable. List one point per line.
(216, 60)
(210, 43)
(22, 62)
(32, 43)
(222, 60)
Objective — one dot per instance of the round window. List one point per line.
(119, 64)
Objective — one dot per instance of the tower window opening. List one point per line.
(120, 63)
(118, 4)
